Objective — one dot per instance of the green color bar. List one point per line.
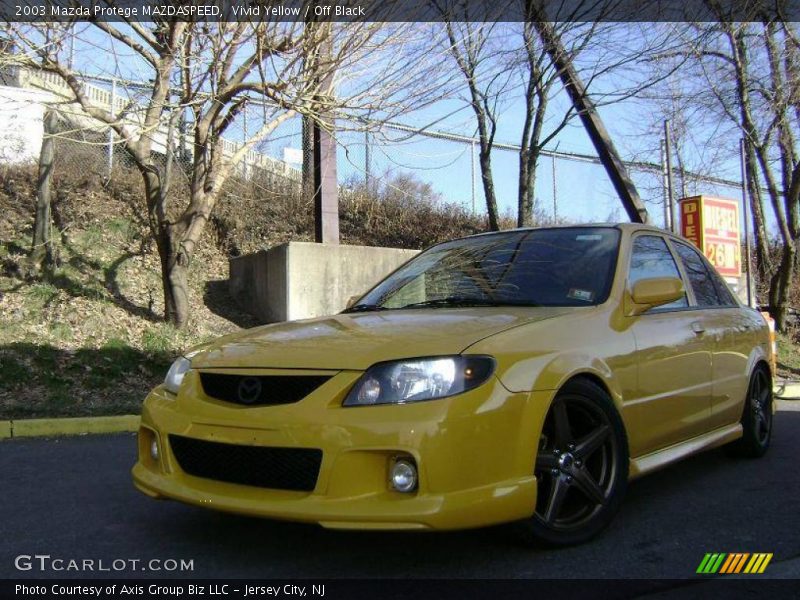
(718, 564)
(702, 567)
(711, 562)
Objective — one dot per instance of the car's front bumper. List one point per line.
(474, 452)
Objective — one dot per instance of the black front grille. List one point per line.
(294, 469)
(259, 390)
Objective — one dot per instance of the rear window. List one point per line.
(700, 277)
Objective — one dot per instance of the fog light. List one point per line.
(154, 450)
(404, 476)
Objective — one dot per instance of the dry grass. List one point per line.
(86, 338)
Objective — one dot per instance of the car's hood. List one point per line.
(358, 340)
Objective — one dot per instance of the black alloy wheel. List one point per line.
(756, 418)
(581, 466)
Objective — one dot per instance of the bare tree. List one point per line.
(698, 137)
(42, 246)
(506, 67)
(472, 47)
(213, 71)
(751, 77)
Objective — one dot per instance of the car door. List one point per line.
(673, 357)
(730, 328)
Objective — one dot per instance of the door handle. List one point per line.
(698, 328)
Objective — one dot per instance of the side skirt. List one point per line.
(661, 458)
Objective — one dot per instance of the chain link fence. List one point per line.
(429, 166)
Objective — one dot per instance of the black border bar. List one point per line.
(398, 10)
(383, 589)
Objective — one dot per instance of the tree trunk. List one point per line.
(780, 286)
(168, 242)
(763, 265)
(485, 161)
(527, 189)
(173, 277)
(42, 248)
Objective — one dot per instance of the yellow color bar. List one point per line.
(765, 563)
(758, 563)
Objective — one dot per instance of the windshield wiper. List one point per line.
(463, 301)
(363, 308)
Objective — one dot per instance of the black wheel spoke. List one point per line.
(760, 401)
(556, 499)
(590, 488)
(761, 424)
(546, 461)
(591, 442)
(561, 422)
(763, 399)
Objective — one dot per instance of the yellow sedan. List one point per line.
(524, 375)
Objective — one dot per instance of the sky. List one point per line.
(583, 192)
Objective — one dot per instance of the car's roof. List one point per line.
(629, 227)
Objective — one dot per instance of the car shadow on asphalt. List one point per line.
(667, 520)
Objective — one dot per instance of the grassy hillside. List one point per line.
(87, 338)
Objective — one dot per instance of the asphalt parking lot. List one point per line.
(73, 498)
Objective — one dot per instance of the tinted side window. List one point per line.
(650, 258)
(699, 276)
(723, 291)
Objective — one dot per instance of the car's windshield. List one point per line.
(571, 266)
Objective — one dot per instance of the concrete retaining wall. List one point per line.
(299, 280)
(21, 129)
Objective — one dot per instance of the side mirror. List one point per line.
(656, 291)
(352, 300)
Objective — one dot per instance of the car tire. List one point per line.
(580, 487)
(756, 418)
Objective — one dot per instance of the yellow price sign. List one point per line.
(713, 225)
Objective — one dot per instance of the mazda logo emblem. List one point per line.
(249, 390)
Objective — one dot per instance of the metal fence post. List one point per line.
(555, 190)
(71, 60)
(366, 160)
(246, 137)
(112, 111)
(472, 160)
(182, 154)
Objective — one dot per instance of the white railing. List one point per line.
(103, 99)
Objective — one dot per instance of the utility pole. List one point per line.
(319, 152)
(665, 185)
(587, 111)
(670, 188)
(747, 266)
(555, 191)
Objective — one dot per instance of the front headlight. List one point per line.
(176, 373)
(414, 380)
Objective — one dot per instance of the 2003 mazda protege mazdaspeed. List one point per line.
(524, 375)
